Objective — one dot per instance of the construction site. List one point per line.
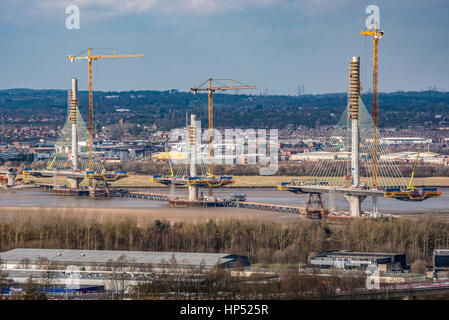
(224, 150)
(356, 135)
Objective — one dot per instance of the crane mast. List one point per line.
(211, 89)
(377, 34)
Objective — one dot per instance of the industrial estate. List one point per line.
(318, 244)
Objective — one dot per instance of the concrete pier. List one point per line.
(73, 107)
(74, 182)
(353, 101)
(193, 190)
(11, 179)
(355, 204)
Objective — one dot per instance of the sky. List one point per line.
(276, 45)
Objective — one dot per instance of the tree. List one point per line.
(119, 279)
(49, 275)
(24, 263)
(32, 290)
(419, 266)
(3, 277)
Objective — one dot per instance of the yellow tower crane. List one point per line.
(377, 34)
(211, 89)
(89, 59)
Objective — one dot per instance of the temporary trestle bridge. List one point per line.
(182, 202)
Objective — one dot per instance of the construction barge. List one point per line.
(70, 192)
(202, 203)
(96, 193)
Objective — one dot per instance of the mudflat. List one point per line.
(195, 215)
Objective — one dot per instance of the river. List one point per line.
(39, 198)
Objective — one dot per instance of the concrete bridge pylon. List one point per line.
(11, 179)
(355, 204)
(193, 190)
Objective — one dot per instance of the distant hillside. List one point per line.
(168, 108)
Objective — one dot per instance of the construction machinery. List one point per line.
(210, 89)
(89, 59)
(190, 178)
(206, 182)
(377, 34)
(382, 176)
(410, 184)
(412, 193)
(209, 180)
(57, 153)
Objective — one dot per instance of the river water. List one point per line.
(38, 198)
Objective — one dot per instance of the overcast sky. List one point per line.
(273, 44)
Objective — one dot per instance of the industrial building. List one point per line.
(326, 155)
(440, 264)
(320, 155)
(346, 259)
(95, 271)
(408, 156)
(441, 259)
(102, 259)
(405, 140)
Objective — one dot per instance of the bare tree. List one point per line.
(24, 264)
(119, 279)
(48, 276)
(3, 278)
(419, 266)
(32, 290)
(42, 262)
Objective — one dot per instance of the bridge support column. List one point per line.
(73, 103)
(375, 211)
(193, 190)
(355, 204)
(74, 182)
(353, 101)
(193, 193)
(11, 179)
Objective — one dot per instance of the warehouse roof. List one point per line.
(348, 254)
(442, 252)
(68, 256)
(357, 254)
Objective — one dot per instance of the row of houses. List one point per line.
(399, 157)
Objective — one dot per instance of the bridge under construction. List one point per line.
(355, 143)
(188, 175)
(359, 169)
(72, 158)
